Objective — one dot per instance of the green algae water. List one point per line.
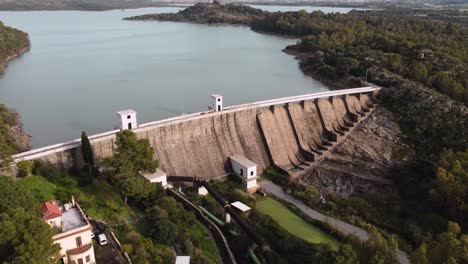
(85, 66)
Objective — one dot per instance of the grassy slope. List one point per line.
(99, 200)
(293, 223)
(205, 243)
(102, 201)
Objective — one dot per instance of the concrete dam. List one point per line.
(288, 133)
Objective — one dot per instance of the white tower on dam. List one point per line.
(217, 102)
(128, 119)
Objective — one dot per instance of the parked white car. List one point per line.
(102, 239)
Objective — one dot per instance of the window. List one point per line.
(242, 172)
(78, 241)
(251, 173)
(219, 99)
(88, 259)
(80, 261)
(128, 117)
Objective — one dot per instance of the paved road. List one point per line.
(344, 227)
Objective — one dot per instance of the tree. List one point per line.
(87, 152)
(453, 228)
(345, 64)
(164, 232)
(346, 255)
(419, 256)
(8, 145)
(137, 188)
(133, 155)
(25, 168)
(13, 196)
(25, 238)
(419, 72)
(450, 190)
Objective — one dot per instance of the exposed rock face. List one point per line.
(21, 138)
(363, 161)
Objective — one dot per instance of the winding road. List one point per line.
(276, 191)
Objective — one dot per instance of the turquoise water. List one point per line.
(85, 66)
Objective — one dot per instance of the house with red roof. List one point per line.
(74, 232)
(52, 214)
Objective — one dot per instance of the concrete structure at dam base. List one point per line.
(288, 133)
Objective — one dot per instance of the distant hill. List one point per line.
(92, 5)
(204, 13)
(97, 5)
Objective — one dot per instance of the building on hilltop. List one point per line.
(74, 232)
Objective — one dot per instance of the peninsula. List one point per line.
(14, 43)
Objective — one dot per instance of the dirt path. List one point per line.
(344, 227)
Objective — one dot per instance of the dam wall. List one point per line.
(289, 133)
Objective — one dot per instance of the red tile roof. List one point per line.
(79, 250)
(50, 210)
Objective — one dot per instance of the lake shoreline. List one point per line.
(18, 53)
(22, 138)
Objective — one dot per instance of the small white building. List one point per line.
(217, 102)
(202, 191)
(158, 176)
(246, 170)
(127, 119)
(73, 232)
(182, 260)
(241, 206)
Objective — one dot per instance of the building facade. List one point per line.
(74, 232)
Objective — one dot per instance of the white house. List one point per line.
(127, 119)
(217, 102)
(246, 170)
(157, 176)
(202, 191)
(73, 232)
(182, 260)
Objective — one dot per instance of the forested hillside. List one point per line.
(12, 43)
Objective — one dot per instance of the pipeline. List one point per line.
(221, 243)
(254, 257)
(265, 249)
(212, 217)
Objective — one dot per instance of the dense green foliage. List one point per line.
(12, 41)
(88, 158)
(209, 14)
(448, 247)
(7, 142)
(25, 168)
(169, 224)
(133, 155)
(24, 237)
(450, 189)
(432, 53)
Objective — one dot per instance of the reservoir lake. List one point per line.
(85, 66)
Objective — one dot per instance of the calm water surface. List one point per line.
(85, 66)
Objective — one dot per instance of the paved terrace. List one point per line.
(44, 151)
